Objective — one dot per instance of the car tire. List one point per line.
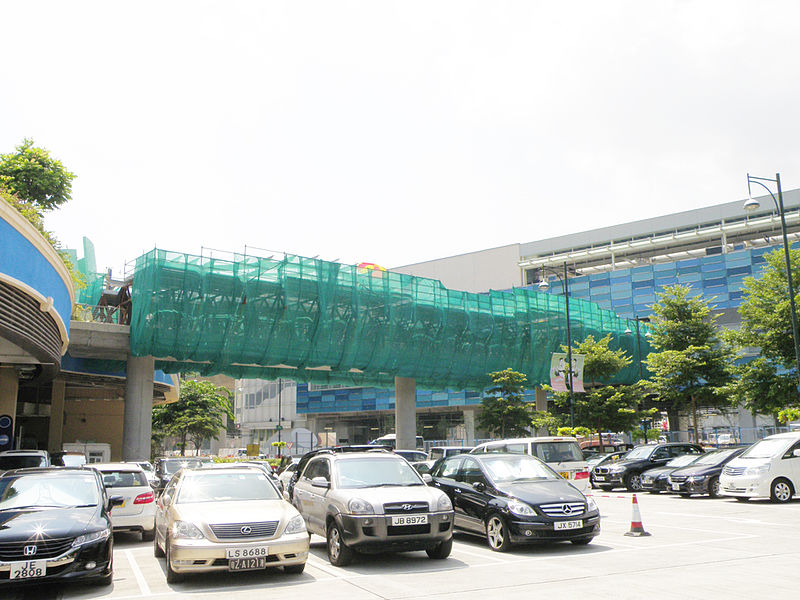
(633, 482)
(294, 569)
(104, 580)
(582, 541)
(713, 487)
(339, 554)
(157, 550)
(172, 576)
(441, 550)
(148, 536)
(497, 533)
(781, 491)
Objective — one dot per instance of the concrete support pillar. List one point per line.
(469, 426)
(137, 425)
(405, 412)
(9, 388)
(55, 437)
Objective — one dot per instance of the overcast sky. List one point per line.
(394, 132)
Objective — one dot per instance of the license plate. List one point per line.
(410, 520)
(26, 570)
(247, 564)
(252, 552)
(599, 477)
(559, 525)
(676, 487)
(564, 474)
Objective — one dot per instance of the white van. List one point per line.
(390, 439)
(562, 454)
(770, 468)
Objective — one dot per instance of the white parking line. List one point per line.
(318, 564)
(483, 555)
(144, 589)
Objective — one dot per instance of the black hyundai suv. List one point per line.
(627, 472)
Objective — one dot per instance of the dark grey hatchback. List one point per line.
(515, 498)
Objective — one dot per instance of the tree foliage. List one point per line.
(689, 364)
(504, 411)
(34, 176)
(198, 415)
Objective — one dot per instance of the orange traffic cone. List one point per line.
(637, 530)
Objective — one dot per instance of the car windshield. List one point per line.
(145, 466)
(226, 487)
(48, 490)
(714, 458)
(21, 461)
(375, 472)
(682, 461)
(509, 469)
(173, 466)
(554, 452)
(765, 448)
(640, 452)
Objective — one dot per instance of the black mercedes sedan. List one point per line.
(655, 480)
(702, 476)
(515, 498)
(54, 524)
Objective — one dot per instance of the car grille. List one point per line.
(48, 548)
(405, 508)
(563, 509)
(733, 470)
(677, 478)
(228, 531)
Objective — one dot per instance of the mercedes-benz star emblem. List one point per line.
(29, 550)
(567, 509)
(246, 530)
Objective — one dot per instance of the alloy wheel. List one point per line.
(495, 533)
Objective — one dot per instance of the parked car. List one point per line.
(227, 519)
(598, 459)
(655, 480)
(390, 440)
(68, 459)
(23, 459)
(627, 472)
(138, 509)
(513, 498)
(149, 471)
(372, 502)
(561, 453)
(770, 468)
(412, 455)
(437, 452)
(55, 525)
(702, 476)
(165, 468)
(309, 455)
(289, 470)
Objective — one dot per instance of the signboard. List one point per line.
(253, 449)
(558, 372)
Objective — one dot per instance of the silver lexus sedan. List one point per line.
(227, 519)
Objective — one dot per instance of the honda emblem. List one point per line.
(29, 550)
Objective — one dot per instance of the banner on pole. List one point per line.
(558, 372)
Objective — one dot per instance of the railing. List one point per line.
(100, 314)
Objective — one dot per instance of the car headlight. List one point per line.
(357, 506)
(295, 525)
(757, 470)
(590, 504)
(186, 530)
(444, 503)
(696, 478)
(521, 509)
(88, 538)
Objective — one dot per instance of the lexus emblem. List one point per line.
(29, 550)
(567, 509)
(407, 507)
(246, 530)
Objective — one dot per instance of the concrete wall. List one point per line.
(492, 269)
(95, 420)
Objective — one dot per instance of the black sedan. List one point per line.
(54, 524)
(627, 472)
(655, 480)
(702, 476)
(513, 498)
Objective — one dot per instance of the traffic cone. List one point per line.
(637, 530)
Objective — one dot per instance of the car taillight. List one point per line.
(582, 475)
(144, 498)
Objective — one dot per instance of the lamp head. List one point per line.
(628, 331)
(544, 285)
(751, 205)
(648, 335)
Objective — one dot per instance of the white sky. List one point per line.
(394, 132)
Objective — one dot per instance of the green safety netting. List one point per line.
(312, 320)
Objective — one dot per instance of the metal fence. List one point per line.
(100, 314)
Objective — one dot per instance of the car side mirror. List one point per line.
(796, 453)
(321, 482)
(479, 486)
(426, 477)
(115, 501)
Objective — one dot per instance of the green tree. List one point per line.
(689, 364)
(198, 415)
(504, 411)
(767, 384)
(34, 176)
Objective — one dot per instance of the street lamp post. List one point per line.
(751, 205)
(280, 423)
(544, 285)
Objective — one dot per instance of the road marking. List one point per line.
(144, 589)
(482, 555)
(318, 564)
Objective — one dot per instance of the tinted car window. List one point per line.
(21, 462)
(49, 489)
(120, 479)
(503, 469)
(640, 453)
(471, 472)
(449, 468)
(567, 451)
(368, 472)
(517, 448)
